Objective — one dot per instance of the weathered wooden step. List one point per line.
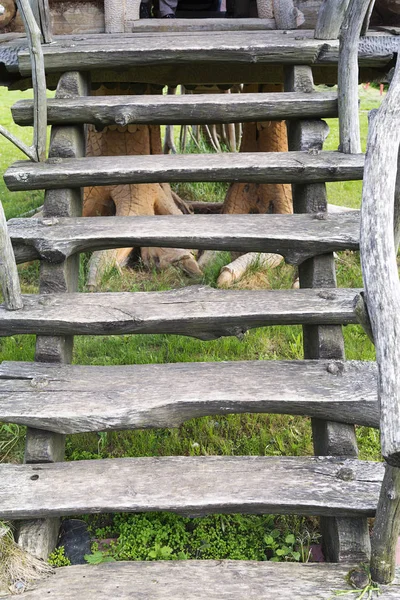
(201, 580)
(74, 399)
(185, 109)
(296, 237)
(269, 167)
(195, 311)
(192, 486)
(122, 51)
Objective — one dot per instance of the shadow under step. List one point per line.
(181, 109)
(200, 580)
(197, 311)
(259, 167)
(74, 399)
(193, 486)
(296, 237)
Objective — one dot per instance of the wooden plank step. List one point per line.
(208, 24)
(296, 237)
(185, 110)
(201, 580)
(192, 485)
(74, 399)
(196, 311)
(269, 167)
(122, 51)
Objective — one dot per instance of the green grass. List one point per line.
(253, 434)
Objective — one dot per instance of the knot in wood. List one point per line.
(39, 382)
(320, 216)
(334, 369)
(50, 221)
(52, 160)
(327, 295)
(345, 474)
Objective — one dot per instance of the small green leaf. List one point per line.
(290, 539)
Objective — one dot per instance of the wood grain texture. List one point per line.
(9, 278)
(330, 19)
(192, 486)
(378, 258)
(74, 399)
(181, 109)
(195, 310)
(343, 539)
(349, 120)
(199, 580)
(269, 167)
(296, 237)
(213, 24)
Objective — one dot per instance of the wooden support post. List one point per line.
(344, 539)
(39, 537)
(8, 268)
(330, 19)
(349, 121)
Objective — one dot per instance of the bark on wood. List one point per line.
(199, 580)
(192, 486)
(196, 311)
(8, 268)
(378, 256)
(346, 539)
(75, 399)
(297, 237)
(349, 121)
(330, 19)
(271, 167)
(386, 528)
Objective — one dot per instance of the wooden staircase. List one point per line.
(54, 398)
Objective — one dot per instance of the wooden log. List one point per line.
(196, 311)
(343, 539)
(192, 486)
(76, 399)
(114, 16)
(297, 237)
(181, 109)
(286, 15)
(39, 537)
(8, 269)
(199, 580)
(349, 121)
(378, 258)
(330, 19)
(213, 24)
(270, 167)
(386, 528)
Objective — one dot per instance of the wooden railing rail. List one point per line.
(382, 296)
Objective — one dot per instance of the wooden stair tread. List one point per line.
(181, 109)
(197, 311)
(198, 485)
(74, 399)
(200, 580)
(296, 237)
(268, 167)
(84, 52)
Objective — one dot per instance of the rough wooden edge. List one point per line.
(343, 539)
(330, 19)
(349, 120)
(8, 268)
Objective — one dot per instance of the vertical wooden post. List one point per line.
(344, 539)
(330, 19)
(9, 279)
(40, 536)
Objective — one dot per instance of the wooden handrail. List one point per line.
(380, 223)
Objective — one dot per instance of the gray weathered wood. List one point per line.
(196, 311)
(285, 14)
(40, 536)
(199, 580)
(9, 279)
(343, 539)
(74, 399)
(213, 24)
(296, 237)
(330, 19)
(269, 167)
(181, 109)
(349, 121)
(378, 256)
(386, 528)
(192, 486)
